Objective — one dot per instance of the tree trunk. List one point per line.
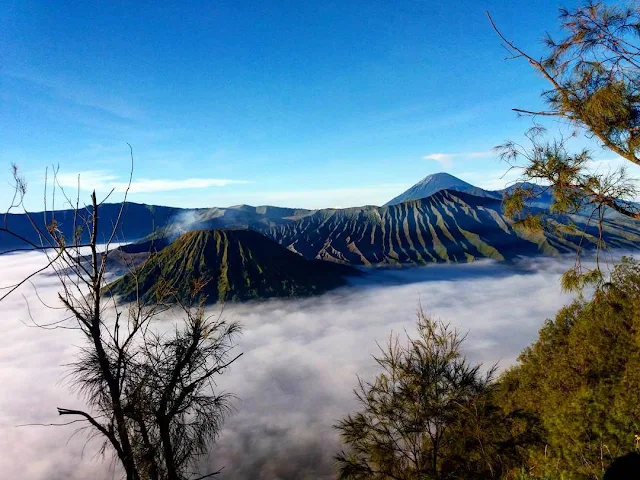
(167, 448)
(127, 457)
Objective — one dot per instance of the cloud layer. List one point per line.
(104, 182)
(297, 373)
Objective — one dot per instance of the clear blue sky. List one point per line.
(305, 103)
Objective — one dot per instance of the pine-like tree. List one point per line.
(581, 379)
(594, 79)
(428, 415)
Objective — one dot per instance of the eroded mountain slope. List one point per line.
(445, 227)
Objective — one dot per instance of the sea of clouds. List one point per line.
(296, 376)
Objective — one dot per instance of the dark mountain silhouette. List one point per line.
(138, 221)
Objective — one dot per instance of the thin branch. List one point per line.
(209, 475)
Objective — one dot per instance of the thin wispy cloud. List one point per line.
(105, 181)
(492, 179)
(611, 165)
(446, 159)
(78, 94)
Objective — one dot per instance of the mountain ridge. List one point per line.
(442, 228)
(447, 226)
(231, 265)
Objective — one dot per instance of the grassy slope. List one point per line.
(238, 265)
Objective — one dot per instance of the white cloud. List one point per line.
(309, 199)
(501, 178)
(446, 159)
(296, 376)
(104, 181)
(491, 179)
(80, 94)
(610, 164)
(607, 165)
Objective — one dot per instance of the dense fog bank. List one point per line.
(296, 376)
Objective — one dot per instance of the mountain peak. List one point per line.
(442, 178)
(436, 182)
(237, 264)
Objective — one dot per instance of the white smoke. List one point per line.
(183, 222)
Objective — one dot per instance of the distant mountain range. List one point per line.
(137, 221)
(441, 219)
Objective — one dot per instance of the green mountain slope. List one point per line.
(237, 265)
(448, 226)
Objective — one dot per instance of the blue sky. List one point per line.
(306, 103)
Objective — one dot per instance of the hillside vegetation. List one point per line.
(581, 379)
(454, 223)
(566, 411)
(228, 265)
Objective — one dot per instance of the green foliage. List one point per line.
(594, 72)
(530, 223)
(525, 475)
(576, 192)
(581, 379)
(514, 203)
(430, 415)
(575, 280)
(594, 75)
